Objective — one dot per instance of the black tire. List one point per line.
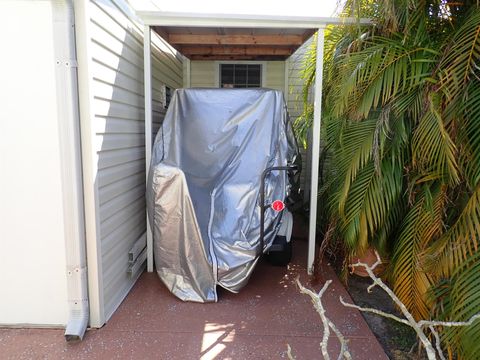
(281, 257)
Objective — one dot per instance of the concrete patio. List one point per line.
(257, 323)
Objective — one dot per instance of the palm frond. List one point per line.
(370, 202)
(356, 149)
(377, 74)
(460, 242)
(461, 303)
(432, 147)
(471, 130)
(461, 62)
(418, 228)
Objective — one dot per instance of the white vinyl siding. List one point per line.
(202, 74)
(275, 75)
(117, 108)
(206, 74)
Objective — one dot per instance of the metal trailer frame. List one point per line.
(263, 205)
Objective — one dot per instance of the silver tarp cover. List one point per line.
(204, 187)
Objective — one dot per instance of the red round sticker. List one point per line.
(278, 205)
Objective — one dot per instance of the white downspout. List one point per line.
(72, 185)
(317, 120)
(147, 69)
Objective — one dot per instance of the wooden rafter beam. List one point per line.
(236, 57)
(193, 39)
(236, 50)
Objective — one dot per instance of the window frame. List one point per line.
(263, 69)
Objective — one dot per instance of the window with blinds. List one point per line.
(240, 75)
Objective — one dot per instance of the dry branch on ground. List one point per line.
(423, 328)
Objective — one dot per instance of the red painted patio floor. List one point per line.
(257, 323)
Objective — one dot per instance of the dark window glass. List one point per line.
(240, 75)
(168, 96)
(228, 75)
(254, 76)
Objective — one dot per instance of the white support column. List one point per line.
(147, 69)
(188, 82)
(317, 119)
(287, 72)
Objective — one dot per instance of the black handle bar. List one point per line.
(263, 206)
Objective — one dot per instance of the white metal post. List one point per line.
(317, 119)
(287, 72)
(188, 82)
(147, 69)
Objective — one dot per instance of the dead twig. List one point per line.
(373, 311)
(437, 343)
(420, 327)
(289, 353)
(417, 326)
(321, 252)
(469, 322)
(327, 323)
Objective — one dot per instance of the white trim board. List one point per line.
(89, 159)
(164, 18)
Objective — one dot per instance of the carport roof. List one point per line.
(225, 31)
(209, 43)
(202, 36)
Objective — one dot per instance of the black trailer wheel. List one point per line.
(280, 253)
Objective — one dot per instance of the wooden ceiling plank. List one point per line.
(237, 57)
(195, 39)
(236, 50)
